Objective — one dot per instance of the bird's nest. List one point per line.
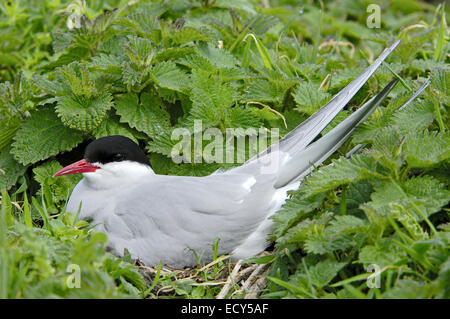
(236, 279)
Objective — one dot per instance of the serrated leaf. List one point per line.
(367, 131)
(383, 253)
(440, 79)
(110, 125)
(323, 272)
(340, 172)
(303, 230)
(414, 117)
(8, 128)
(108, 62)
(141, 24)
(425, 193)
(407, 288)
(132, 75)
(357, 194)
(168, 75)
(344, 77)
(243, 118)
(43, 135)
(188, 34)
(294, 210)
(427, 148)
(196, 61)
(310, 98)
(325, 244)
(83, 113)
(139, 50)
(10, 169)
(262, 91)
(146, 115)
(219, 57)
(174, 53)
(72, 53)
(345, 224)
(211, 100)
(267, 91)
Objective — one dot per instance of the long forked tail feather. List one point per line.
(306, 132)
(301, 163)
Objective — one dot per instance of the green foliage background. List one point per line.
(143, 68)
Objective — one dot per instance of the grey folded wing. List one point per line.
(183, 213)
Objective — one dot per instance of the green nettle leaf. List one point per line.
(243, 118)
(323, 272)
(196, 61)
(386, 148)
(367, 131)
(173, 53)
(304, 230)
(83, 113)
(310, 98)
(294, 210)
(357, 194)
(383, 253)
(169, 76)
(49, 87)
(415, 117)
(262, 91)
(267, 91)
(139, 50)
(188, 34)
(427, 148)
(344, 77)
(111, 126)
(132, 74)
(71, 54)
(340, 172)
(163, 143)
(219, 57)
(141, 24)
(212, 101)
(107, 62)
(424, 193)
(408, 288)
(144, 113)
(10, 169)
(326, 243)
(431, 194)
(346, 224)
(440, 78)
(43, 135)
(341, 233)
(8, 128)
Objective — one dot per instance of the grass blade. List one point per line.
(27, 213)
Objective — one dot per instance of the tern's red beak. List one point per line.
(77, 167)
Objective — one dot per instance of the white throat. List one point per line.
(114, 174)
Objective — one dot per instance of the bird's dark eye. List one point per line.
(118, 157)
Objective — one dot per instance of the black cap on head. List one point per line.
(115, 148)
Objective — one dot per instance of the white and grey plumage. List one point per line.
(161, 218)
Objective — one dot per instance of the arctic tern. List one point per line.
(160, 218)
